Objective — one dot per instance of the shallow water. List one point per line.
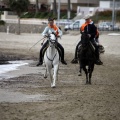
(14, 65)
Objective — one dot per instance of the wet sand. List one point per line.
(28, 96)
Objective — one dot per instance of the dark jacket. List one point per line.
(89, 28)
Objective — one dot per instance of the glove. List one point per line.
(89, 35)
(59, 36)
(41, 44)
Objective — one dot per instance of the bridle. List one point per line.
(52, 42)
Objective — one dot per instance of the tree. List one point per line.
(69, 9)
(5, 1)
(19, 6)
(2, 22)
(36, 6)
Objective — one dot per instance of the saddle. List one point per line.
(59, 51)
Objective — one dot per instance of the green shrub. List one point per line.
(28, 15)
(105, 13)
(43, 14)
(106, 16)
(37, 15)
(73, 14)
(63, 15)
(50, 14)
(2, 22)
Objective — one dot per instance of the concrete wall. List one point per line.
(25, 28)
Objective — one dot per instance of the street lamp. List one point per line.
(69, 9)
(113, 15)
(58, 12)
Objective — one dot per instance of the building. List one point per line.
(81, 7)
(109, 4)
(44, 5)
(64, 3)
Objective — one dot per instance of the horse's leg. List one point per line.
(90, 72)
(55, 75)
(86, 73)
(49, 69)
(90, 75)
(45, 74)
(80, 74)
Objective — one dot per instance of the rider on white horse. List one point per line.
(49, 29)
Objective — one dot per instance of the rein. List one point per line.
(53, 57)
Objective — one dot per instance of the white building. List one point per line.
(108, 5)
(86, 10)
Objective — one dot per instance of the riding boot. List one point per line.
(75, 60)
(61, 53)
(98, 61)
(43, 48)
(40, 59)
(62, 59)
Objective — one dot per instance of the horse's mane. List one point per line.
(87, 52)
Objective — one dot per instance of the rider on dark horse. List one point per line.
(90, 29)
(51, 28)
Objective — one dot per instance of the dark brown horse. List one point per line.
(87, 57)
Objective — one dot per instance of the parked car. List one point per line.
(75, 25)
(64, 22)
(107, 26)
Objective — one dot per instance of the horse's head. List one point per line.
(52, 39)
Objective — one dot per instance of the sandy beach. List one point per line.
(28, 96)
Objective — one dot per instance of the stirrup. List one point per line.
(63, 62)
(98, 62)
(74, 61)
(40, 63)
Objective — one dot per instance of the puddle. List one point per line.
(16, 97)
(12, 66)
(18, 68)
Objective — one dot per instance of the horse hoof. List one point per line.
(45, 77)
(53, 86)
(80, 74)
(87, 83)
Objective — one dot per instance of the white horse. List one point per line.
(51, 59)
